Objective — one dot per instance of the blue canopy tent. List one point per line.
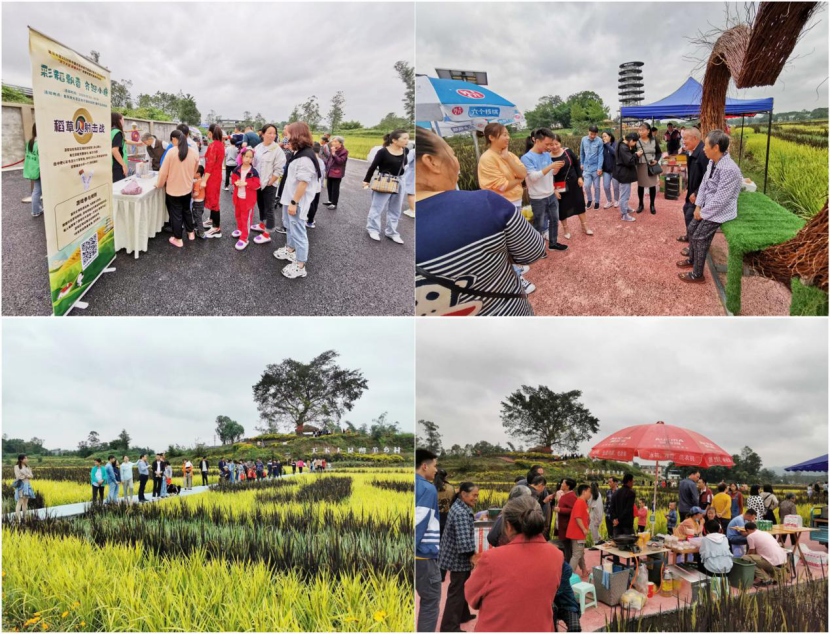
(816, 464)
(685, 103)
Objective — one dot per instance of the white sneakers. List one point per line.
(524, 269)
(374, 235)
(213, 233)
(527, 287)
(396, 238)
(284, 254)
(607, 205)
(294, 270)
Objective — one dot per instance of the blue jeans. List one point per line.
(546, 209)
(623, 197)
(610, 184)
(37, 202)
(112, 492)
(390, 202)
(591, 177)
(296, 237)
(164, 488)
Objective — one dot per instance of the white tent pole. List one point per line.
(475, 145)
(654, 497)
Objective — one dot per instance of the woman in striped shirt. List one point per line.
(467, 241)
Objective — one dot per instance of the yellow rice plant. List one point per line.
(799, 172)
(67, 584)
(60, 492)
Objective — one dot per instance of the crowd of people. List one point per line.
(520, 565)
(283, 176)
(722, 523)
(473, 248)
(112, 476)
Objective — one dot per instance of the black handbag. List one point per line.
(653, 170)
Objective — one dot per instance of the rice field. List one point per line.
(798, 168)
(318, 552)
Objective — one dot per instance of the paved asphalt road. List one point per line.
(349, 274)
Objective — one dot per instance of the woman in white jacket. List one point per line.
(714, 550)
(596, 513)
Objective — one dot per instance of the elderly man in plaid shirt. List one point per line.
(715, 204)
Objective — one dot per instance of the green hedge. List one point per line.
(761, 223)
(808, 301)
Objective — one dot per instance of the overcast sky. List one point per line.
(536, 49)
(756, 382)
(232, 56)
(166, 380)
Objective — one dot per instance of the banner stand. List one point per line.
(73, 109)
(80, 305)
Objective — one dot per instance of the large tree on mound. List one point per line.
(293, 393)
(553, 419)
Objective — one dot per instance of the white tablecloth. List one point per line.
(136, 219)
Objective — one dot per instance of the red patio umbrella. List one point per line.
(661, 442)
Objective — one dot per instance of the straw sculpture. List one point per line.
(751, 56)
(804, 256)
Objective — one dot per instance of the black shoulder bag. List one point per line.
(656, 169)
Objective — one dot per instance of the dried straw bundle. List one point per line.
(751, 57)
(804, 256)
(776, 30)
(725, 61)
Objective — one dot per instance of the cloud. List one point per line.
(534, 49)
(760, 382)
(166, 380)
(256, 57)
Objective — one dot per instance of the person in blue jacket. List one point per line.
(112, 479)
(428, 538)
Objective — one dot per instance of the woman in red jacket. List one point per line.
(214, 164)
(335, 170)
(514, 586)
(246, 182)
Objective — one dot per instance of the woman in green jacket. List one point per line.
(98, 479)
(31, 171)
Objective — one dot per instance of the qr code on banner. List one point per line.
(89, 251)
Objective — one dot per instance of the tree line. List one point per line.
(165, 106)
(289, 395)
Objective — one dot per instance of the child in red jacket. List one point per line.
(246, 182)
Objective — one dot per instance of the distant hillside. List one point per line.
(506, 467)
(281, 446)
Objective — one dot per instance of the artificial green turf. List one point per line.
(761, 223)
(808, 301)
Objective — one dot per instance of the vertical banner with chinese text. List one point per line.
(72, 115)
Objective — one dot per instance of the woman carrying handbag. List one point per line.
(387, 186)
(648, 166)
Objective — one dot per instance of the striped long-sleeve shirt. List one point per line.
(470, 239)
(428, 535)
(719, 191)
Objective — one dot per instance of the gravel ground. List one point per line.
(349, 274)
(629, 269)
